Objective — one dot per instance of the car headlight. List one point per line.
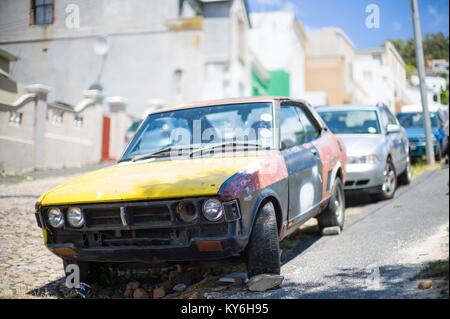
(75, 217)
(369, 159)
(186, 211)
(55, 218)
(213, 210)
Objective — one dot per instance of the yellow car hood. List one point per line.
(148, 181)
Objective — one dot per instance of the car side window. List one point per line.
(384, 118)
(311, 130)
(292, 132)
(391, 118)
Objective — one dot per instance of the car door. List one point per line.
(325, 145)
(303, 164)
(397, 141)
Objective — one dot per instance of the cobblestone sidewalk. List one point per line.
(27, 268)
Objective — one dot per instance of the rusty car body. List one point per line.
(150, 206)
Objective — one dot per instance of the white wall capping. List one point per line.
(116, 100)
(94, 94)
(117, 103)
(40, 90)
(84, 104)
(20, 102)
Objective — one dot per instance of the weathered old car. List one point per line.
(203, 181)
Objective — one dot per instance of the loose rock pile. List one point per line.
(178, 281)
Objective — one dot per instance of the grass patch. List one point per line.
(435, 269)
(2, 170)
(421, 166)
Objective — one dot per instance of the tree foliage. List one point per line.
(435, 46)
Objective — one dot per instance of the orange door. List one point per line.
(105, 138)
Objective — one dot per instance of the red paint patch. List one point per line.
(269, 170)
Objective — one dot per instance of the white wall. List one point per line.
(41, 143)
(278, 46)
(70, 146)
(17, 142)
(375, 79)
(381, 73)
(434, 86)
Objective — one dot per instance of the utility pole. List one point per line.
(423, 88)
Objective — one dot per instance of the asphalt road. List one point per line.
(382, 246)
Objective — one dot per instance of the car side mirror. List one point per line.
(393, 128)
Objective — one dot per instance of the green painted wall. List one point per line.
(259, 87)
(279, 83)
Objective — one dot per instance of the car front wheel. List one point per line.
(389, 186)
(263, 249)
(406, 177)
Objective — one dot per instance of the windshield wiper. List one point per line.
(223, 145)
(163, 150)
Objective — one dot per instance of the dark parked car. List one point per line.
(229, 178)
(413, 124)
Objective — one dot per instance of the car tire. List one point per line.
(334, 214)
(406, 177)
(263, 249)
(88, 270)
(388, 189)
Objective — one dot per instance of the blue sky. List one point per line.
(350, 15)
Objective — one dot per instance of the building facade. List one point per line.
(438, 67)
(175, 50)
(278, 42)
(329, 66)
(347, 76)
(382, 75)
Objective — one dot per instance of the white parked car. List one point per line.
(377, 148)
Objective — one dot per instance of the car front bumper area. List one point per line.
(154, 234)
(198, 249)
(419, 149)
(366, 178)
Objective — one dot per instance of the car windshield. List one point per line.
(352, 122)
(201, 127)
(416, 119)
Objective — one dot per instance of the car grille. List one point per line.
(361, 182)
(101, 217)
(156, 215)
(146, 224)
(148, 215)
(154, 237)
(416, 140)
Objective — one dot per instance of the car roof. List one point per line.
(417, 112)
(347, 107)
(217, 102)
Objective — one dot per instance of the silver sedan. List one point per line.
(377, 148)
